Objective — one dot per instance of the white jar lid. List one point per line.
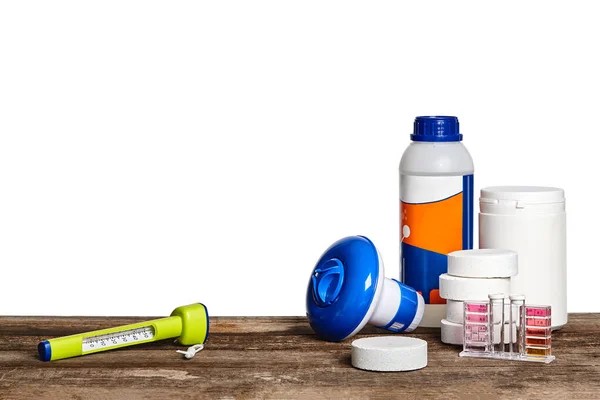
(483, 263)
(526, 194)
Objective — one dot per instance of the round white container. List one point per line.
(435, 169)
(531, 221)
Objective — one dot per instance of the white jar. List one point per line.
(436, 208)
(531, 221)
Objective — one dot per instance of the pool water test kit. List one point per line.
(522, 240)
(444, 282)
(529, 331)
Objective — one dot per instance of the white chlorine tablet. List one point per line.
(452, 333)
(389, 353)
(455, 311)
(483, 263)
(459, 288)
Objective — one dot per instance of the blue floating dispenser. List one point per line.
(348, 289)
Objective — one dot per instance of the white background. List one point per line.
(154, 154)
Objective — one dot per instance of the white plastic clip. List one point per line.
(191, 351)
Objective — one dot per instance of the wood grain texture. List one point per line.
(280, 358)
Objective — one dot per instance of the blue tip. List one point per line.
(207, 323)
(45, 350)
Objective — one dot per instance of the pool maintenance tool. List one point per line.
(348, 289)
(189, 324)
(529, 330)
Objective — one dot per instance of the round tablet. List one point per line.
(455, 311)
(483, 263)
(459, 288)
(452, 333)
(389, 353)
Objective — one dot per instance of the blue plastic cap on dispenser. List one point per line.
(342, 288)
(436, 129)
(346, 290)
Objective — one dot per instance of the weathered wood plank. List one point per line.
(261, 357)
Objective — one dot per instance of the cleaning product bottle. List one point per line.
(436, 208)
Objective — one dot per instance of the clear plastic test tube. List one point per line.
(497, 322)
(517, 327)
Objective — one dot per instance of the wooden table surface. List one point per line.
(279, 357)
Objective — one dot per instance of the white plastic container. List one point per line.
(531, 221)
(436, 208)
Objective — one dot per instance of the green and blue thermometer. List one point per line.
(189, 324)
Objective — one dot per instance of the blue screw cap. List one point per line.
(436, 129)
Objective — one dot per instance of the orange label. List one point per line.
(434, 226)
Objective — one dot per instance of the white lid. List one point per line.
(528, 194)
(389, 353)
(483, 263)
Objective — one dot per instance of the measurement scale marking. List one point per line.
(114, 339)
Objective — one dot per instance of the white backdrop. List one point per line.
(154, 154)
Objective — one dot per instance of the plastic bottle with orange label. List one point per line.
(436, 208)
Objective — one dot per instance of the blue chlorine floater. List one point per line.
(348, 289)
